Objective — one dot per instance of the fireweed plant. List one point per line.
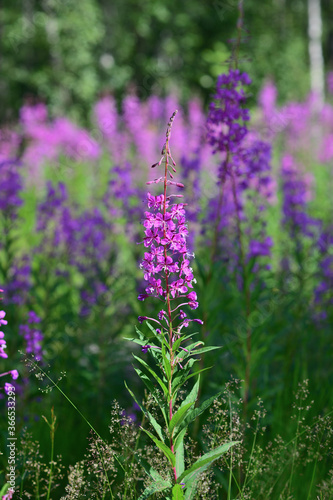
(235, 223)
(170, 279)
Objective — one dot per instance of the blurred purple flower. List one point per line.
(11, 186)
(33, 337)
(267, 100)
(296, 194)
(260, 248)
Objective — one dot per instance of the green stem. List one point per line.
(295, 448)
(247, 300)
(231, 455)
(239, 32)
(282, 470)
(252, 453)
(135, 449)
(52, 432)
(23, 471)
(167, 152)
(37, 482)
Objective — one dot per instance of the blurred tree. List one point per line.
(68, 52)
(327, 17)
(315, 49)
(48, 52)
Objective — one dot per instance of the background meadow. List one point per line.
(84, 118)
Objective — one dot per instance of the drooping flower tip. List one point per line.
(143, 296)
(191, 296)
(155, 181)
(141, 319)
(182, 314)
(161, 314)
(178, 184)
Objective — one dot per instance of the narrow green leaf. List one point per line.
(189, 349)
(180, 374)
(152, 328)
(192, 396)
(206, 349)
(163, 386)
(163, 447)
(177, 492)
(176, 344)
(160, 336)
(179, 438)
(141, 335)
(156, 354)
(155, 488)
(194, 352)
(152, 389)
(176, 387)
(152, 420)
(189, 336)
(150, 471)
(166, 363)
(182, 339)
(183, 372)
(191, 489)
(197, 411)
(180, 462)
(205, 461)
(179, 416)
(190, 362)
(136, 341)
(4, 490)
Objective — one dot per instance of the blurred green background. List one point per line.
(68, 53)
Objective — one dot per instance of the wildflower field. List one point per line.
(167, 331)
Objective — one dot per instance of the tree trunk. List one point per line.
(315, 51)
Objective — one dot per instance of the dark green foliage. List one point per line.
(67, 53)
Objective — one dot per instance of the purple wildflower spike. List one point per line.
(296, 196)
(32, 336)
(166, 262)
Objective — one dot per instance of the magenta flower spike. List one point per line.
(166, 263)
(166, 267)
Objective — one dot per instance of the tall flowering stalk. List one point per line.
(301, 228)
(170, 279)
(237, 212)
